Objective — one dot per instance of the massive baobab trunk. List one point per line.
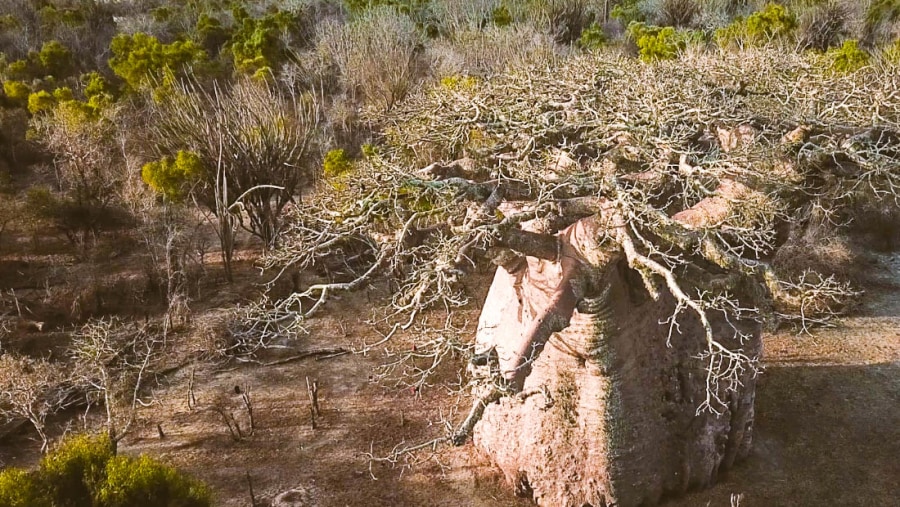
(608, 407)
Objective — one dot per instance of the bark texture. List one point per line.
(607, 413)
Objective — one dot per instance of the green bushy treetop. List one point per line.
(170, 176)
(848, 58)
(19, 488)
(56, 60)
(256, 43)
(52, 16)
(660, 43)
(140, 58)
(771, 22)
(16, 92)
(211, 34)
(76, 469)
(404, 6)
(592, 38)
(144, 482)
(83, 471)
(73, 111)
(628, 12)
(41, 101)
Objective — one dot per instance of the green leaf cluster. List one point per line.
(459, 83)
(72, 111)
(404, 6)
(143, 482)
(84, 472)
(336, 163)
(772, 22)
(54, 59)
(16, 92)
(170, 176)
(140, 58)
(256, 43)
(211, 34)
(628, 12)
(592, 38)
(847, 58)
(660, 43)
(52, 17)
(501, 16)
(19, 488)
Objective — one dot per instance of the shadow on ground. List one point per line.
(824, 435)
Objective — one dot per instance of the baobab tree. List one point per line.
(671, 185)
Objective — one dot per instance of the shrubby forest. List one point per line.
(442, 252)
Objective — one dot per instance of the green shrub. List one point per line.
(9, 22)
(22, 70)
(52, 17)
(256, 42)
(660, 43)
(892, 52)
(211, 34)
(369, 150)
(83, 471)
(41, 102)
(16, 92)
(143, 482)
(19, 488)
(459, 83)
(97, 90)
(336, 163)
(161, 14)
(772, 22)
(501, 16)
(169, 176)
(76, 469)
(140, 58)
(628, 12)
(848, 57)
(56, 60)
(404, 6)
(592, 38)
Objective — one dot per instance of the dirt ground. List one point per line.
(827, 426)
(827, 418)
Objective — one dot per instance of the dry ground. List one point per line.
(827, 431)
(827, 412)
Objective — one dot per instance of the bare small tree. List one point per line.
(377, 55)
(32, 389)
(112, 363)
